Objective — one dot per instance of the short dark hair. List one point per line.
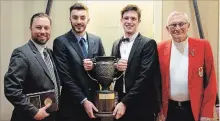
(40, 14)
(131, 7)
(78, 6)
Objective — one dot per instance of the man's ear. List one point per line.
(188, 25)
(167, 28)
(88, 20)
(139, 21)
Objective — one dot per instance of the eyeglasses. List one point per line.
(180, 24)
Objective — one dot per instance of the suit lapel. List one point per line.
(39, 58)
(116, 49)
(135, 45)
(73, 41)
(91, 45)
(167, 54)
(192, 59)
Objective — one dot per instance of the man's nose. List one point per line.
(129, 20)
(177, 27)
(42, 31)
(79, 21)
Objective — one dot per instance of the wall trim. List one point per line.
(157, 20)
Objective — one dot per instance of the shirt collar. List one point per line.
(40, 48)
(133, 37)
(79, 37)
(183, 43)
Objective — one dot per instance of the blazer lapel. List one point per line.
(39, 58)
(192, 59)
(135, 45)
(116, 49)
(167, 54)
(91, 45)
(73, 41)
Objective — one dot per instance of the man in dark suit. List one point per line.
(139, 87)
(73, 51)
(29, 73)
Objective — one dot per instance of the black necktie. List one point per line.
(125, 39)
(83, 47)
(49, 65)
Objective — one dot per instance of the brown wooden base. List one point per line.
(105, 102)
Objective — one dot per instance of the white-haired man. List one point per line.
(188, 75)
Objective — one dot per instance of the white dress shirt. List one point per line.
(179, 62)
(125, 49)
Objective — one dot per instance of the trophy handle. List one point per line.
(91, 77)
(116, 78)
(94, 63)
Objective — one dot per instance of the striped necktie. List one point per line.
(49, 65)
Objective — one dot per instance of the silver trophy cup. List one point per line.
(105, 99)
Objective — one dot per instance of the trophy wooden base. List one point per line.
(105, 102)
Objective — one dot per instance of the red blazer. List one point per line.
(200, 60)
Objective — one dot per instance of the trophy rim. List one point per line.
(106, 58)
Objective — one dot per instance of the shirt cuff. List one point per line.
(83, 101)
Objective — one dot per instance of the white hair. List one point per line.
(176, 13)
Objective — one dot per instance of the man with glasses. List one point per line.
(186, 64)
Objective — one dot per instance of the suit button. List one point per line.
(90, 89)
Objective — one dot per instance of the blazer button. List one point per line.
(90, 89)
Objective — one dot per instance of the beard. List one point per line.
(38, 41)
(80, 30)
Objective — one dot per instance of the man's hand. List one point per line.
(161, 117)
(88, 64)
(89, 107)
(41, 114)
(122, 65)
(119, 110)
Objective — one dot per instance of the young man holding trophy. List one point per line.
(72, 50)
(139, 87)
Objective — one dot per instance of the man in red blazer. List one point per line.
(188, 74)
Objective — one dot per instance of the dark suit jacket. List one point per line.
(142, 78)
(76, 83)
(27, 73)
